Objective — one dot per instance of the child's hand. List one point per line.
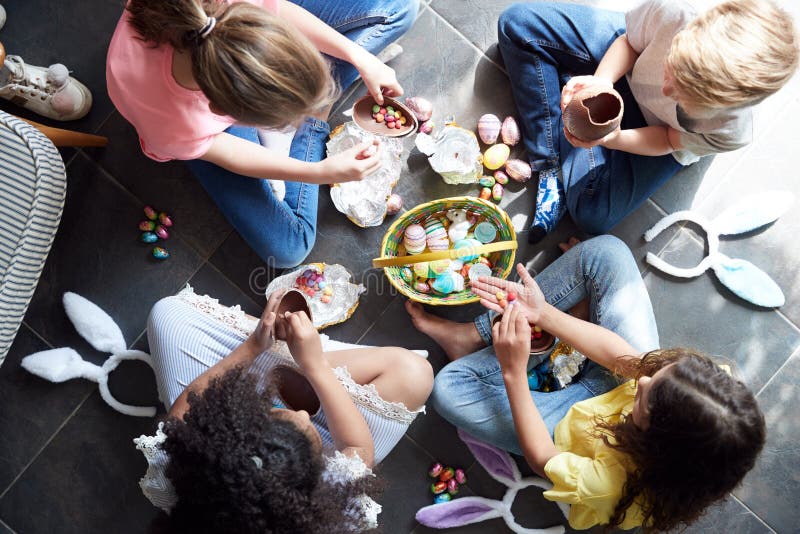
(512, 340)
(351, 165)
(530, 298)
(303, 340)
(263, 336)
(579, 143)
(379, 78)
(577, 83)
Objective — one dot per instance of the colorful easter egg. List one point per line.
(509, 131)
(434, 229)
(518, 170)
(422, 287)
(150, 213)
(426, 127)
(500, 177)
(461, 476)
(496, 156)
(422, 269)
(485, 232)
(164, 219)
(422, 108)
(407, 275)
(147, 226)
(435, 470)
(486, 193)
(486, 181)
(161, 232)
(394, 204)
(149, 237)
(467, 243)
(488, 128)
(414, 239)
(442, 498)
(497, 192)
(160, 253)
(439, 267)
(452, 486)
(438, 487)
(447, 473)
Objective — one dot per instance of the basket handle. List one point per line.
(451, 254)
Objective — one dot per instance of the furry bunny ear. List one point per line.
(748, 281)
(753, 213)
(497, 463)
(459, 512)
(93, 324)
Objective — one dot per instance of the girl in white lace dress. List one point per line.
(271, 436)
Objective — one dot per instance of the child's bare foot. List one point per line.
(569, 244)
(457, 339)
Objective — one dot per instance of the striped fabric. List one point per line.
(32, 191)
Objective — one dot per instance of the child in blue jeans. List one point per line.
(688, 79)
(655, 451)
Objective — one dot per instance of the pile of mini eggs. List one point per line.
(498, 155)
(508, 299)
(392, 118)
(312, 282)
(155, 228)
(447, 481)
(456, 231)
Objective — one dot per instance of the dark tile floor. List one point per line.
(67, 463)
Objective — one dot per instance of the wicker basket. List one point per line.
(393, 254)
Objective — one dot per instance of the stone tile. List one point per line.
(632, 228)
(702, 314)
(86, 478)
(169, 186)
(4, 529)
(244, 267)
(730, 517)
(75, 35)
(31, 408)
(770, 490)
(97, 254)
(210, 281)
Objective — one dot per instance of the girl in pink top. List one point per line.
(199, 78)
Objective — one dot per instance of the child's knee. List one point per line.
(415, 370)
(403, 15)
(292, 253)
(518, 22)
(608, 252)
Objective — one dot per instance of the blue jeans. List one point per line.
(543, 45)
(470, 392)
(283, 233)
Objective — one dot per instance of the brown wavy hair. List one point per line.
(705, 433)
(253, 66)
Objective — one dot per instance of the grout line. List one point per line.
(37, 334)
(47, 443)
(130, 347)
(233, 284)
(471, 44)
(103, 122)
(735, 498)
(785, 318)
(784, 364)
(4, 524)
(369, 328)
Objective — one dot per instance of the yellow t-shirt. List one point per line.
(590, 477)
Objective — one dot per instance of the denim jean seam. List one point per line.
(556, 46)
(548, 117)
(363, 17)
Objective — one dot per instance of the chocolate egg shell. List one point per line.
(420, 107)
(394, 204)
(518, 170)
(593, 113)
(500, 177)
(509, 131)
(496, 156)
(488, 128)
(362, 116)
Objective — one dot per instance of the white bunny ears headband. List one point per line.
(100, 330)
(468, 510)
(740, 276)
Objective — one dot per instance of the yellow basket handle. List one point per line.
(451, 254)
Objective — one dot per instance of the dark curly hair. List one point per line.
(705, 433)
(219, 486)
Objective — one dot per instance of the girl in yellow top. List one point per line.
(655, 451)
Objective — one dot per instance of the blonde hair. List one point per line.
(251, 66)
(736, 54)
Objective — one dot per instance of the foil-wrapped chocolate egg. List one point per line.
(438, 487)
(421, 107)
(496, 156)
(435, 470)
(486, 193)
(150, 213)
(422, 287)
(461, 476)
(394, 204)
(147, 226)
(500, 177)
(160, 253)
(426, 127)
(509, 131)
(447, 473)
(497, 192)
(486, 181)
(518, 170)
(164, 219)
(488, 128)
(161, 232)
(452, 487)
(442, 498)
(407, 275)
(414, 239)
(149, 237)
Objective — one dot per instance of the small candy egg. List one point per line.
(407, 275)
(403, 121)
(452, 487)
(162, 232)
(500, 295)
(390, 109)
(488, 128)
(537, 335)
(497, 193)
(500, 177)
(390, 118)
(437, 468)
(390, 125)
(420, 107)
(442, 498)
(394, 204)
(537, 328)
(160, 253)
(150, 213)
(486, 181)
(325, 299)
(397, 114)
(496, 156)
(327, 291)
(376, 108)
(509, 131)
(518, 170)
(383, 111)
(461, 476)
(512, 296)
(426, 127)
(149, 237)
(147, 226)
(477, 270)
(486, 193)
(379, 117)
(422, 287)
(485, 232)
(164, 219)
(438, 487)
(322, 284)
(465, 270)
(447, 473)
(485, 261)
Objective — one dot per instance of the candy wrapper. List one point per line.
(364, 202)
(453, 153)
(342, 296)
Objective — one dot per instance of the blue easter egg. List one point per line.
(160, 253)
(442, 497)
(149, 237)
(467, 243)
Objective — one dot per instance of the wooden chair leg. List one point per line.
(61, 137)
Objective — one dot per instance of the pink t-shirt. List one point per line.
(172, 122)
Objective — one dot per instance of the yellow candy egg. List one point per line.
(496, 156)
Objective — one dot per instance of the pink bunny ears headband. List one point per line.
(740, 276)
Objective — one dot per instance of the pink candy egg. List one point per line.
(518, 170)
(394, 204)
(150, 213)
(488, 128)
(509, 131)
(461, 476)
(164, 219)
(162, 232)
